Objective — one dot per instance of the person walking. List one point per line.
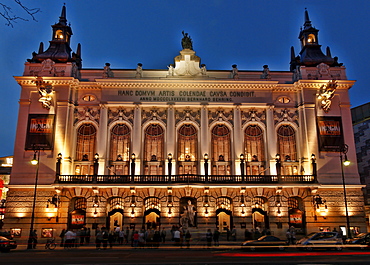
(209, 238)
(34, 238)
(187, 238)
(233, 234)
(216, 236)
(163, 235)
(62, 237)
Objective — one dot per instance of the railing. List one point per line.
(165, 179)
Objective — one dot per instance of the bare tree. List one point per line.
(10, 18)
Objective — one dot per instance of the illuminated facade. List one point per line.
(235, 148)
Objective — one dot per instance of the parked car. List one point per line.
(362, 239)
(321, 240)
(7, 244)
(265, 242)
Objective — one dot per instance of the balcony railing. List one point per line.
(185, 179)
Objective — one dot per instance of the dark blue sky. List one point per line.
(248, 33)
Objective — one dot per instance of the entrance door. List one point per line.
(224, 221)
(115, 220)
(152, 219)
(260, 219)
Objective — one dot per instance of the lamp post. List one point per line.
(133, 157)
(169, 166)
(206, 167)
(36, 162)
(278, 165)
(242, 167)
(346, 162)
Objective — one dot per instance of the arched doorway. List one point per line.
(224, 220)
(152, 213)
(114, 219)
(260, 219)
(259, 213)
(152, 219)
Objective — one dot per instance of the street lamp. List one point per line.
(36, 162)
(346, 162)
(169, 166)
(242, 167)
(133, 157)
(206, 167)
(278, 165)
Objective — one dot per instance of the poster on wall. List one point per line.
(330, 133)
(40, 132)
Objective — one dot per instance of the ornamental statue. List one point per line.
(186, 41)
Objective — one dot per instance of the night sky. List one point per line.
(248, 33)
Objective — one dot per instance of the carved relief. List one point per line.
(121, 114)
(187, 114)
(285, 115)
(326, 94)
(154, 114)
(220, 114)
(46, 91)
(253, 115)
(87, 114)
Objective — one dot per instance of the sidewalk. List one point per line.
(166, 246)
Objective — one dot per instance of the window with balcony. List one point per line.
(120, 140)
(187, 149)
(221, 150)
(287, 148)
(85, 148)
(153, 150)
(254, 150)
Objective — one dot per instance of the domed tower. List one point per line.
(59, 50)
(310, 54)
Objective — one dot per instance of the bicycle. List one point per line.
(50, 244)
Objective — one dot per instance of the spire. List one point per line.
(63, 17)
(307, 22)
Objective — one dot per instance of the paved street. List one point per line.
(224, 254)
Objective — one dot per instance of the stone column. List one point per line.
(204, 141)
(136, 138)
(171, 137)
(102, 141)
(271, 144)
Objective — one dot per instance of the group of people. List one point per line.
(73, 238)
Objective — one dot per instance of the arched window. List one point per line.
(187, 143)
(86, 139)
(286, 141)
(120, 143)
(154, 143)
(254, 147)
(221, 143)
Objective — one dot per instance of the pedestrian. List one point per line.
(105, 237)
(247, 235)
(34, 239)
(216, 236)
(227, 233)
(127, 232)
(176, 237)
(187, 238)
(88, 235)
(62, 237)
(98, 239)
(209, 237)
(163, 235)
(68, 239)
(121, 236)
(111, 238)
(156, 238)
(292, 235)
(288, 236)
(233, 234)
(135, 239)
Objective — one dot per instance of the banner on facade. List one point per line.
(330, 133)
(40, 132)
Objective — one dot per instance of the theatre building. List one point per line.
(184, 145)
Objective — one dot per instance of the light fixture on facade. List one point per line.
(206, 213)
(278, 212)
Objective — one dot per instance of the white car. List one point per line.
(327, 240)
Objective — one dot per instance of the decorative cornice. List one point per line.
(30, 80)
